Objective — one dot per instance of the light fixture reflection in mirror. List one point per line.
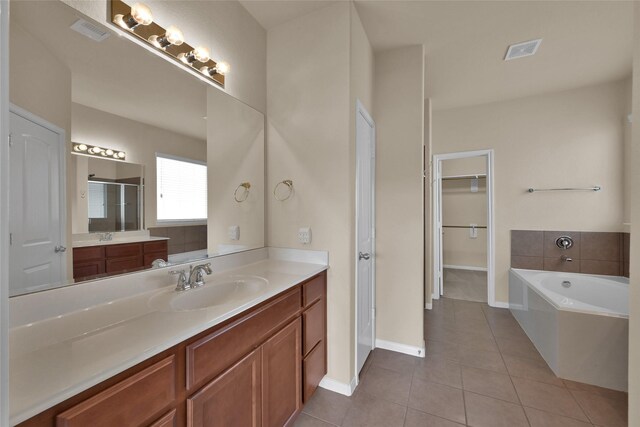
(93, 150)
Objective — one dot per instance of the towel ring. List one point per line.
(244, 195)
(289, 184)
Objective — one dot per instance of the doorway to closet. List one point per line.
(463, 226)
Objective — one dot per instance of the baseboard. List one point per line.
(464, 267)
(500, 304)
(401, 348)
(428, 305)
(337, 386)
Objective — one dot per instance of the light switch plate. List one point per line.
(473, 231)
(234, 232)
(304, 235)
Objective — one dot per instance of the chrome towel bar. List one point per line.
(595, 188)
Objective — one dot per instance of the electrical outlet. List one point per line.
(234, 232)
(304, 235)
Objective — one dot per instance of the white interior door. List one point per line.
(36, 207)
(365, 247)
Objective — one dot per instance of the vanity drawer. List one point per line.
(167, 420)
(212, 354)
(159, 246)
(313, 290)
(115, 265)
(126, 250)
(88, 253)
(313, 370)
(130, 402)
(313, 326)
(87, 268)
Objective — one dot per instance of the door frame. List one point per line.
(437, 220)
(4, 212)
(62, 176)
(360, 109)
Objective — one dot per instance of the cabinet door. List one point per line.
(281, 376)
(88, 269)
(232, 399)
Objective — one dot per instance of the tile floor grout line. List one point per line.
(508, 373)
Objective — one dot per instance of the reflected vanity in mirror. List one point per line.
(78, 214)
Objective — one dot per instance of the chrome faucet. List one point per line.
(183, 283)
(565, 258)
(195, 278)
(106, 237)
(196, 274)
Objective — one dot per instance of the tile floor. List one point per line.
(465, 284)
(480, 370)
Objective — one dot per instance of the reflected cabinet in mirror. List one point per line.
(119, 158)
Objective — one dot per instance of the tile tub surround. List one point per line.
(186, 238)
(480, 370)
(601, 253)
(62, 341)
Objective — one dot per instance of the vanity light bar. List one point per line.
(95, 151)
(138, 20)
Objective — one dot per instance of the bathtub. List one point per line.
(578, 322)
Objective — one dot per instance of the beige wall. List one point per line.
(45, 94)
(399, 116)
(565, 139)
(235, 154)
(428, 203)
(140, 141)
(308, 128)
(634, 289)
(226, 27)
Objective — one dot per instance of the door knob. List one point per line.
(363, 256)
(59, 249)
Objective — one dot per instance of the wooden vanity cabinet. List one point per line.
(255, 369)
(101, 260)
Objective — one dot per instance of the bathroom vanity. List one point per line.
(91, 261)
(214, 358)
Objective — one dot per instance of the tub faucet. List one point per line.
(565, 258)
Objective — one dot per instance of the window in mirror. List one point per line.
(182, 189)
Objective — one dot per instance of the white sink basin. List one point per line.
(214, 293)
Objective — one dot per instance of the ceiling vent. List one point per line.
(87, 29)
(520, 50)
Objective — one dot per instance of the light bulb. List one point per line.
(142, 14)
(80, 147)
(223, 67)
(201, 54)
(121, 154)
(174, 35)
(109, 152)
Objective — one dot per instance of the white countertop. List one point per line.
(116, 241)
(56, 358)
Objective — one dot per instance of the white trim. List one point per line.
(360, 109)
(437, 221)
(428, 305)
(500, 304)
(4, 212)
(464, 267)
(62, 179)
(401, 348)
(339, 387)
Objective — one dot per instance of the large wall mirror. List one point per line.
(120, 160)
